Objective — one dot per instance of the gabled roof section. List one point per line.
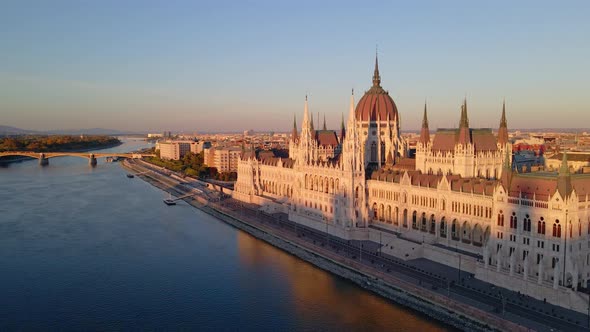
(483, 139)
(327, 138)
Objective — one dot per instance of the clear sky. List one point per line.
(216, 65)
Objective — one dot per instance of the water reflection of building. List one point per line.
(317, 294)
(528, 232)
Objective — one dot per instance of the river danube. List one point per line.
(85, 248)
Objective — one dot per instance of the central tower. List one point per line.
(378, 126)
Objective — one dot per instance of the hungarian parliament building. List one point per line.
(458, 201)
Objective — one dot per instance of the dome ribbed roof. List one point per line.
(376, 104)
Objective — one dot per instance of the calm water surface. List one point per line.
(86, 248)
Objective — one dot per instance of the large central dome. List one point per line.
(376, 104)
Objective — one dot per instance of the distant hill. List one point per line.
(8, 130)
(89, 131)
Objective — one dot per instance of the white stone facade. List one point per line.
(528, 232)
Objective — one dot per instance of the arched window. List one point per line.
(432, 224)
(527, 224)
(414, 224)
(513, 221)
(374, 152)
(382, 152)
(556, 229)
(443, 227)
(455, 230)
(501, 218)
(541, 226)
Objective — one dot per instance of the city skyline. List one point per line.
(192, 66)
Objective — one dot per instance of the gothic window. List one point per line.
(432, 224)
(423, 224)
(541, 226)
(454, 230)
(405, 218)
(382, 152)
(374, 210)
(414, 217)
(513, 221)
(527, 224)
(443, 228)
(500, 218)
(556, 229)
(373, 152)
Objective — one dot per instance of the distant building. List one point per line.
(198, 147)
(248, 132)
(578, 162)
(174, 150)
(155, 135)
(225, 159)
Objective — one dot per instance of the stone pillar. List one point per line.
(43, 161)
(575, 279)
(556, 276)
(540, 281)
(92, 160)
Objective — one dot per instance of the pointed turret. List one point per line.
(389, 160)
(564, 178)
(324, 126)
(351, 113)
(464, 132)
(306, 116)
(342, 130)
(294, 134)
(312, 127)
(425, 132)
(506, 176)
(376, 77)
(503, 130)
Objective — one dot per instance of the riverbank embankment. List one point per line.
(452, 312)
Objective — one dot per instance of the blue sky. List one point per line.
(197, 66)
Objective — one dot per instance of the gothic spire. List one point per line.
(503, 122)
(324, 127)
(376, 77)
(294, 134)
(342, 129)
(564, 168)
(305, 115)
(564, 179)
(424, 132)
(351, 114)
(464, 122)
(503, 130)
(464, 131)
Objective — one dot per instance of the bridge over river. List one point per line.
(44, 157)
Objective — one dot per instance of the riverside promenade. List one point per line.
(358, 262)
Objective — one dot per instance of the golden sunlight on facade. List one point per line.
(457, 202)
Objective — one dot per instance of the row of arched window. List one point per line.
(322, 184)
(428, 224)
(541, 226)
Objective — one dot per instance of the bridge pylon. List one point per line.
(43, 161)
(92, 160)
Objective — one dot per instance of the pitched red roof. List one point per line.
(483, 140)
(327, 138)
